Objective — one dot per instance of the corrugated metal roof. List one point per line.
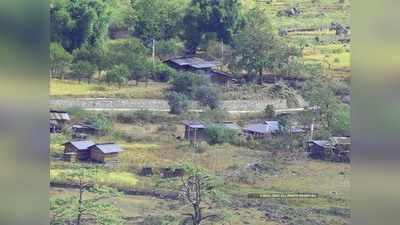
(59, 115)
(81, 145)
(194, 62)
(109, 148)
(322, 143)
(341, 140)
(265, 128)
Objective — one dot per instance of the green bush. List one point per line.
(219, 135)
(101, 122)
(208, 96)
(143, 116)
(163, 73)
(178, 103)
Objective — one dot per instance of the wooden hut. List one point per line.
(77, 150)
(261, 130)
(319, 149)
(58, 120)
(105, 153)
(194, 130)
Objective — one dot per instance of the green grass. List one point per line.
(114, 179)
(69, 88)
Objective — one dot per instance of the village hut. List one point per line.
(194, 130)
(261, 130)
(58, 120)
(202, 67)
(319, 149)
(105, 153)
(77, 150)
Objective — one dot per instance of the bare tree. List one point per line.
(191, 192)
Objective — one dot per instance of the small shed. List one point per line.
(105, 153)
(194, 130)
(83, 128)
(58, 120)
(80, 148)
(260, 130)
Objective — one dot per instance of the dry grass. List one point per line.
(69, 88)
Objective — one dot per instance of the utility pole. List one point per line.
(154, 52)
(222, 51)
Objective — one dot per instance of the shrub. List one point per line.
(101, 122)
(163, 73)
(208, 96)
(219, 135)
(144, 116)
(269, 111)
(186, 83)
(178, 103)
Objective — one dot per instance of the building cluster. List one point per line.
(86, 150)
(336, 149)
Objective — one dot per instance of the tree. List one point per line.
(76, 209)
(178, 103)
(158, 19)
(94, 55)
(254, 44)
(257, 49)
(269, 111)
(83, 69)
(186, 83)
(334, 116)
(132, 54)
(59, 60)
(77, 22)
(209, 16)
(199, 188)
(118, 74)
(141, 69)
(208, 96)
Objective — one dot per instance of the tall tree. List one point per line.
(254, 44)
(158, 19)
(257, 49)
(76, 22)
(59, 60)
(132, 54)
(209, 16)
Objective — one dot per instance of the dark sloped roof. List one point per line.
(194, 124)
(265, 128)
(108, 148)
(195, 62)
(81, 145)
(322, 143)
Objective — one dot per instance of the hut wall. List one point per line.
(96, 155)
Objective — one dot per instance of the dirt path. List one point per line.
(233, 106)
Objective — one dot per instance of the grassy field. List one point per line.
(68, 88)
(150, 144)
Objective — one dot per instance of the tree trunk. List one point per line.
(81, 190)
(261, 76)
